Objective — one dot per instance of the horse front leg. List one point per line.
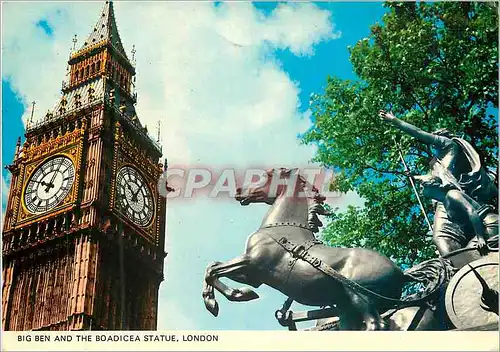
(236, 269)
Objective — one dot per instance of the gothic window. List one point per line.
(98, 66)
(86, 71)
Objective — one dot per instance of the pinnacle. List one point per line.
(105, 29)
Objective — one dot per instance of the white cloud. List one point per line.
(293, 26)
(35, 63)
(205, 71)
(209, 74)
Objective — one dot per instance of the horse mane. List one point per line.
(316, 207)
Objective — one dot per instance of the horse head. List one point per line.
(269, 187)
(289, 186)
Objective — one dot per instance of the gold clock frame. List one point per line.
(69, 145)
(115, 199)
(33, 170)
(126, 150)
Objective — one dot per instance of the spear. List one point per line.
(412, 182)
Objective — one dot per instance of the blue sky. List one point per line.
(220, 104)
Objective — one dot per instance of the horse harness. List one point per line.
(301, 251)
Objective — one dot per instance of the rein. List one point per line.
(293, 224)
(302, 252)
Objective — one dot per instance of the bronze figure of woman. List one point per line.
(455, 163)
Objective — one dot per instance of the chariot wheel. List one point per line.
(471, 298)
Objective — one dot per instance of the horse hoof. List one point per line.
(244, 294)
(212, 306)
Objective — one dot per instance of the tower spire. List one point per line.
(74, 42)
(158, 131)
(30, 121)
(105, 30)
(133, 53)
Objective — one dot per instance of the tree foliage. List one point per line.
(435, 65)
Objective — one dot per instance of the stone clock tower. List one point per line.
(84, 229)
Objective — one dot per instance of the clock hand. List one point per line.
(130, 188)
(51, 183)
(41, 182)
(134, 196)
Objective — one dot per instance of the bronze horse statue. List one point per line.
(285, 254)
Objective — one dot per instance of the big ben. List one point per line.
(84, 227)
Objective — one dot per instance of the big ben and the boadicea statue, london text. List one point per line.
(84, 228)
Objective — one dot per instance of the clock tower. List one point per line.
(84, 228)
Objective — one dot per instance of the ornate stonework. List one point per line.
(82, 264)
(69, 145)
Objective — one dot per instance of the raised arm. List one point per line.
(414, 131)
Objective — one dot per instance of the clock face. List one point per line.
(134, 198)
(49, 184)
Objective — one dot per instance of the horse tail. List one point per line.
(432, 274)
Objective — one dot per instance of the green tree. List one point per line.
(435, 65)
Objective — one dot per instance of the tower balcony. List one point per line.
(137, 128)
(56, 116)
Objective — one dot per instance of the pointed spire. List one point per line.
(105, 29)
(75, 40)
(158, 131)
(30, 121)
